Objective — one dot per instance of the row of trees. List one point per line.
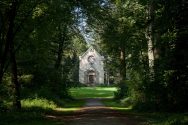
(147, 41)
(39, 45)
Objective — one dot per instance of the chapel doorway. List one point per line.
(91, 77)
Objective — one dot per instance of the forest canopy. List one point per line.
(144, 42)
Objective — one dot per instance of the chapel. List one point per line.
(91, 68)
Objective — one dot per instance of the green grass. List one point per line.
(93, 92)
(38, 102)
(34, 111)
(150, 118)
(166, 118)
(117, 105)
(71, 106)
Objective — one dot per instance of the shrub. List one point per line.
(122, 91)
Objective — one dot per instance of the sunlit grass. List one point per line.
(67, 109)
(34, 110)
(38, 102)
(93, 92)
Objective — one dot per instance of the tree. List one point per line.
(150, 38)
(17, 18)
(9, 49)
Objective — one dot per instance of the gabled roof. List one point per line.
(89, 49)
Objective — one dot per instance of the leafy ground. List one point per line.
(41, 111)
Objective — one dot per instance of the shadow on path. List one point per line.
(95, 113)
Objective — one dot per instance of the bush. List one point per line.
(3, 107)
(126, 102)
(122, 91)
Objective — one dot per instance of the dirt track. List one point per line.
(95, 113)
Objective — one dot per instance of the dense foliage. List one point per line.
(40, 42)
(144, 42)
(148, 36)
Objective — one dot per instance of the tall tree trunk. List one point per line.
(62, 36)
(1, 38)
(180, 76)
(181, 48)
(9, 37)
(16, 88)
(149, 37)
(123, 64)
(10, 46)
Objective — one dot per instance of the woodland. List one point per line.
(144, 43)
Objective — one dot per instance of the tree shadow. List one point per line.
(31, 116)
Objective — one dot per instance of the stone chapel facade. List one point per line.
(91, 68)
